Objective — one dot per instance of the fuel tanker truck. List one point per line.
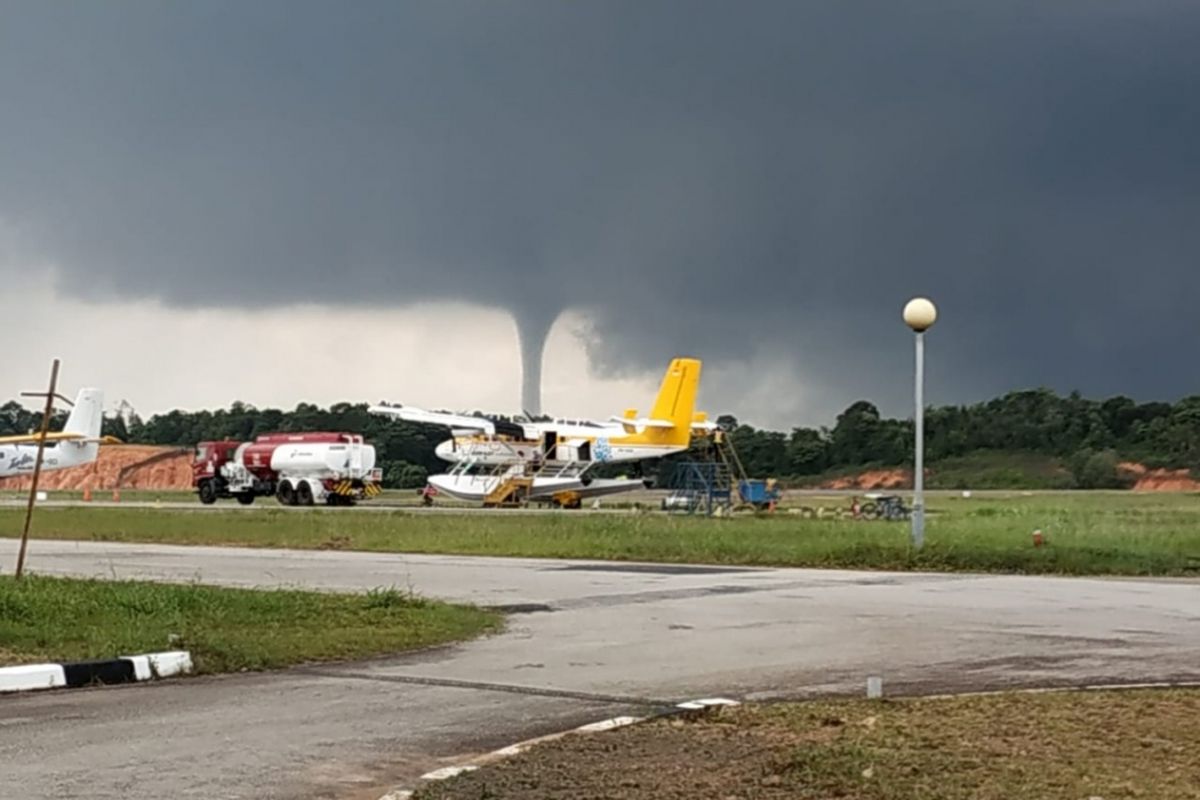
(300, 469)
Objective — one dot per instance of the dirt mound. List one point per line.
(119, 466)
(874, 479)
(1162, 480)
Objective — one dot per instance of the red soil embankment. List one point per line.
(874, 479)
(1160, 480)
(127, 466)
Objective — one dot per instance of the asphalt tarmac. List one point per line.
(585, 640)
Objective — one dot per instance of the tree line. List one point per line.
(1090, 437)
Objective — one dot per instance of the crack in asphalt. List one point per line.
(484, 686)
(656, 569)
(614, 599)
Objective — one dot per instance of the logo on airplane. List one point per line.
(21, 461)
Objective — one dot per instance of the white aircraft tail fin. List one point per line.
(87, 415)
(86, 419)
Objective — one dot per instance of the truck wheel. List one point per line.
(286, 494)
(208, 492)
(304, 494)
(245, 498)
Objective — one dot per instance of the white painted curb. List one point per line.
(170, 664)
(710, 702)
(31, 677)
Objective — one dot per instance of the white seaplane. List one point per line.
(500, 462)
(76, 444)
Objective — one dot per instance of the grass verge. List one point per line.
(226, 630)
(1058, 746)
(1085, 534)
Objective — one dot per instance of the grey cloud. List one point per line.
(705, 177)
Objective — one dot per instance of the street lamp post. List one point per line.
(919, 314)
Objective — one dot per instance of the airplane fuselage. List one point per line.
(20, 459)
(606, 444)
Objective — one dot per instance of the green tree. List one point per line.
(1094, 469)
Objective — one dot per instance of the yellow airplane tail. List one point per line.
(676, 401)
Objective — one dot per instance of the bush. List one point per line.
(1098, 470)
(403, 475)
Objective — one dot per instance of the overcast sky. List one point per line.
(286, 201)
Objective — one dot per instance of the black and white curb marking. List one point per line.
(31, 677)
(520, 747)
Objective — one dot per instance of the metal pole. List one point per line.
(37, 467)
(918, 517)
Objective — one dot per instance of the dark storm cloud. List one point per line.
(713, 178)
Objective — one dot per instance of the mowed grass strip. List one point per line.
(1085, 534)
(59, 619)
(1059, 746)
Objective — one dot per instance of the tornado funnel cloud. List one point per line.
(532, 329)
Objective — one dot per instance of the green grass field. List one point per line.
(1085, 533)
(52, 619)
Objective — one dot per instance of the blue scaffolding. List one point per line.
(700, 487)
(718, 484)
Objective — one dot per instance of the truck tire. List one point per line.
(286, 494)
(208, 492)
(304, 494)
(245, 498)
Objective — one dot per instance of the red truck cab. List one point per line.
(209, 457)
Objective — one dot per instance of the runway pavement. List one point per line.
(586, 640)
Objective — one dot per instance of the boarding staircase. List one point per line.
(511, 492)
(516, 482)
(511, 483)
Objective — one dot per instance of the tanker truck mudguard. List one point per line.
(299, 469)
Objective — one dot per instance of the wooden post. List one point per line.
(37, 467)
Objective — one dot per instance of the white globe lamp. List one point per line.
(920, 314)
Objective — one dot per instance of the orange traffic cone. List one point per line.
(116, 495)
(87, 494)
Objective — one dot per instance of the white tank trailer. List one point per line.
(298, 468)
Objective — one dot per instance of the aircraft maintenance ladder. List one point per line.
(711, 485)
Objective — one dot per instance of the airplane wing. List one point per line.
(643, 422)
(454, 421)
(58, 436)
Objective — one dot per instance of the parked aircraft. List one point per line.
(76, 444)
(499, 461)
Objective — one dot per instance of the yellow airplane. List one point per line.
(556, 455)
